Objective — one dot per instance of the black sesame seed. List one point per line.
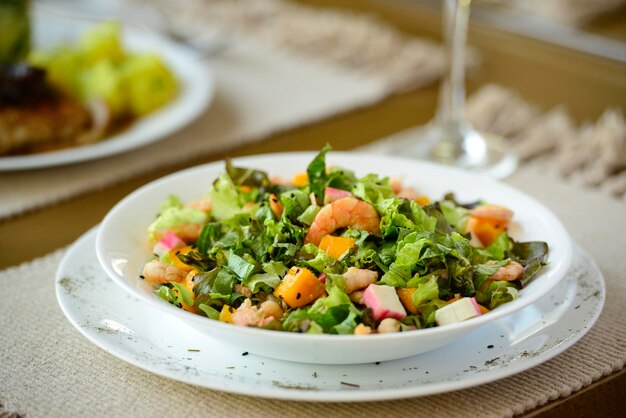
(142, 277)
(377, 363)
(156, 255)
(490, 346)
(298, 296)
(245, 353)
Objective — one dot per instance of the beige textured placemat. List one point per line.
(47, 369)
(359, 43)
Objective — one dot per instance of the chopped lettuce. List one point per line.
(224, 198)
(334, 314)
(262, 281)
(174, 216)
(373, 189)
(316, 171)
(244, 247)
(426, 291)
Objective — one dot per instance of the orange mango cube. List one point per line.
(299, 287)
(336, 246)
(486, 230)
(226, 314)
(176, 262)
(422, 200)
(300, 179)
(406, 297)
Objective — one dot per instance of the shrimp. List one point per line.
(204, 204)
(509, 272)
(252, 316)
(357, 279)
(396, 185)
(407, 193)
(159, 272)
(347, 211)
(495, 212)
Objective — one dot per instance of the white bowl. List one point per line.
(122, 250)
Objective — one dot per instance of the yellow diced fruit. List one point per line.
(486, 230)
(177, 261)
(185, 307)
(422, 200)
(189, 282)
(299, 287)
(226, 314)
(336, 246)
(406, 297)
(300, 179)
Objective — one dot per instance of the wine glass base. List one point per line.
(460, 146)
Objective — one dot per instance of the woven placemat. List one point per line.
(48, 369)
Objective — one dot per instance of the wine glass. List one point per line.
(449, 139)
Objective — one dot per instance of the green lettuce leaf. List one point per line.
(224, 198)
(532, 255)
(373, 189)
(316, 171)
(172, 201)
(318, 260)
(262, 281)
(209, 311)
(426, 291)
(174, 216)
(249, 177)
(243, 267)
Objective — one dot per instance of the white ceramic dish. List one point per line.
(122, 250)
(196, 91)
(148, 338)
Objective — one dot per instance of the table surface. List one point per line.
(545, 74)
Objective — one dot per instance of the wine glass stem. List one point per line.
(452, 94)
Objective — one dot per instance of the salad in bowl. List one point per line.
(330, 252)
(350, 267)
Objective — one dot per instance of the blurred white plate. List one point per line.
(152, 340)
(123, 250)
(197, 88)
